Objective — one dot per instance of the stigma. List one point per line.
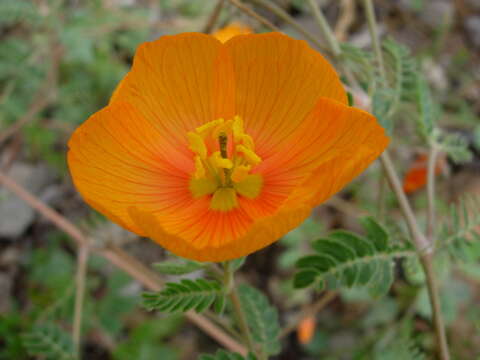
(224, 158)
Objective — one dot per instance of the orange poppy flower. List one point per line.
(217, 150)
(231, 30)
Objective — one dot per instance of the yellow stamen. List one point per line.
(240, 172)
(218, 161)
(205, 129)
(224, 199)
(199, 168)
(237, 128)
(202, 187)
(250, 156)
(224, 128)
(218, 175)
(249, 187)
(197, 145)
(248, 141)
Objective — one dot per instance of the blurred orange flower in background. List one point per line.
(416, 176)
(217, 150)
(306, 330)
(231, 30)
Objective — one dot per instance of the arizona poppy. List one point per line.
(217, 150)
(231, 30)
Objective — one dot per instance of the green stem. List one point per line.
(325, 28)
(254, 14)
(232, 292)
(282, 14)
(432, 159)
(214, 17)
(372, 26)
(427, 263)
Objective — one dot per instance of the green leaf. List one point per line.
(455, 145)
(345, 259)
(178, 268)
(381, 104)
(461, 237)
(401, 69)
(145, 342)
(224, 355)
(262, 319)
(376, 232)
(427, 109)
(50, 342)
(198, 294)
(400, 349)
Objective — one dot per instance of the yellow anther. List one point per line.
(197, 145)
(205, 129)
(225, 128)
(248, 141)
(240, 172)
(249, 155)
(199, 168)
(224, 174)
(219, 162)
(237, 128)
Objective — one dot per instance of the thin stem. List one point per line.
(282, 14)
(82, 259)
(231, 289)
(213, 18)
(432, 159)
(372, 26)
(242, 322)
(254, 14)
(427, 263)
(421, 243)
(325, 28)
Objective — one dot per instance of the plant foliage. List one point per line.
(224, 355)
(178, 268)
(262, 319)
(463, 231)
(400, 68)
(198, 295)
(49, 342)
(347, 259)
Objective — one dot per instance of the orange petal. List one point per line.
(360, 141)
(278, 81)
(260, 234)
(172, 83)
(118, 159)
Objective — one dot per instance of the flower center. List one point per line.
(224, 157)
